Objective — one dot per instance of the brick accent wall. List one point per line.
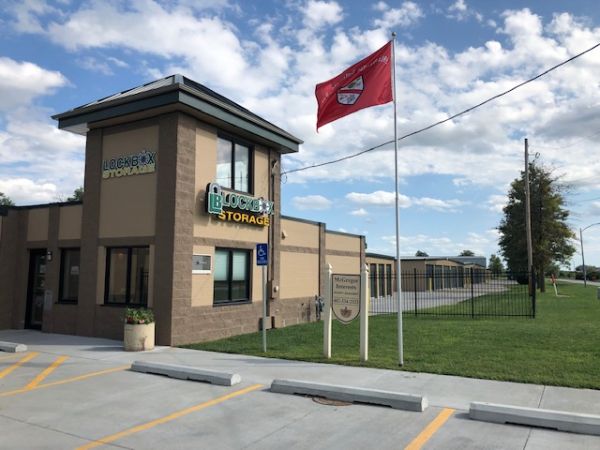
(90, 220)
(8, 256)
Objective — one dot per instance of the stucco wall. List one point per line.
(70, 222)
(300, 234)
(299, 275)
(37, 227)
(340, 242)
(344, 264)
(128, 203)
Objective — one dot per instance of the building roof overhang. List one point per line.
(177, 93)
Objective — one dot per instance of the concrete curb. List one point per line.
(545, 418)
(394, 400)
(187, 373)
(11, 347)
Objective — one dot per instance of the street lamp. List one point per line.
(582, 257)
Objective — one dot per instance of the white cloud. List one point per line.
(458, 5)
(595, 209)
(460, 11)
(317, 202)
(440, 245)
(496, 203)
(385, 198)
(320, 13)
(378, 198)
(24, 190)
(361, 212)
(408, 14)
(22, 81)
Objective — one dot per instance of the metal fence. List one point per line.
(454, 291)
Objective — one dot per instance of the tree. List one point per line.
(467, 253)
(420, 253)
(549, 230)
(77, 195)
(5, 200)
(495, 265)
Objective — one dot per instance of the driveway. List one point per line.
(74, 392)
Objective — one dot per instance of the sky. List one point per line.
(269, 55)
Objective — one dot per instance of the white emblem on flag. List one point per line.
(349, 94)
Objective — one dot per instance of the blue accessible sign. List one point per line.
(262, 254)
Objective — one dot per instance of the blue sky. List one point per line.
(268, 56)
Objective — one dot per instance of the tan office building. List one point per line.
(180, 185)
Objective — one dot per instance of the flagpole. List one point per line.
(398, 264)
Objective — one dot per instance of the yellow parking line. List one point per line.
(20, 362)
(37, 380)
(67, 380)
(170, 417)
(430, 429)
(12, 355)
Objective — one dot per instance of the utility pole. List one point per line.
(582, 258)
(528, 219)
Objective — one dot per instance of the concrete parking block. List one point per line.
(544, 418)
(396, 400)
(187, 373)
(12, 347)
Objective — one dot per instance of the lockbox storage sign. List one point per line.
(345, 297)
(237, 207)
(136, 164)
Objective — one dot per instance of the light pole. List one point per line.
(582, 257)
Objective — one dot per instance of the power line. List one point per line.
(466, 111)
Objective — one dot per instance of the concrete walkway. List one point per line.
(442, 392)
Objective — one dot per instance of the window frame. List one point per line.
(61, 281)
(230, 251)
(235, 140)
(127, 302)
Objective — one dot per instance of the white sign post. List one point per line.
(327, 310)
(364, 313)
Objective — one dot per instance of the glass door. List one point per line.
(36, 289)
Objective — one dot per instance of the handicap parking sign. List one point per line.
(262, 254)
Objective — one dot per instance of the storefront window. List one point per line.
(69, 275)
(233, 165)
(127, 275)
(232, 276)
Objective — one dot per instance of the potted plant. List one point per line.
(139, 330)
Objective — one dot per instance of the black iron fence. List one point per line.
(454, 291)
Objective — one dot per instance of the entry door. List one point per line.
(36, 288)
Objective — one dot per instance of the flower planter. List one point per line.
(138, 337)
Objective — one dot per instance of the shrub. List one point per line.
(138, 316)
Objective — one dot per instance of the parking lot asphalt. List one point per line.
(78, 393)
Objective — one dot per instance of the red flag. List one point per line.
(366, 83)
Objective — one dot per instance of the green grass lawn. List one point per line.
(561, 346)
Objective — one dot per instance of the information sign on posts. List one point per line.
(262, 254)
(345, 297)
